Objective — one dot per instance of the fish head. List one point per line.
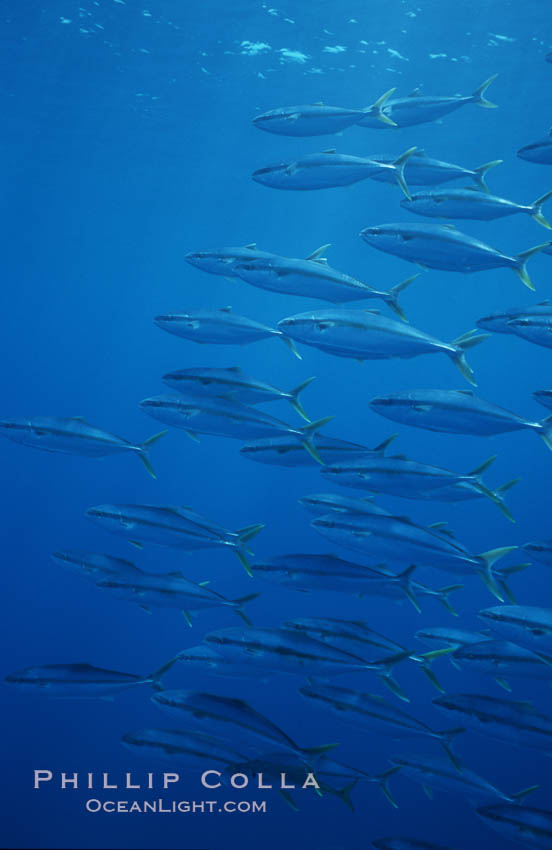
(398, 408)
(29, 676)
(110, 517)
(539, 549)
(307, 327)
(533, 328)
(491, 323)
(275, 175)
(383, 236)
(269, 121)
(540, 151)
(174, 323)
(169, 699)
(214, 262)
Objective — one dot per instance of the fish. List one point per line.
(223, 417)
(219, 327)
(418, 108)
(82, 681)
(499, 323)
(370, 711)
(422, 170)
(365, 335)
(436, 773)
(406, 844)
(205, 660)
(94, 566)
(456, 412)
(525, 826)
(510, 721)
(473, 205)
(535, 329)
(178, 527)
(399, 476)
(172, 590)
(306, 573)
(540, 550)
(333, 771)
(314, 278)
(328, 170)
(502, 660)
(285, 772)
(284, 651)
(286, 451)
(449, 637)
(544, 397)
(232, 383)
(228, 715)
(399, 540)
(221, 261)
(74, 436)
(539, 152)
(357, 637)
(442, 246)
(526, 625)
(189, 749)
(318, 119)
(320, 504)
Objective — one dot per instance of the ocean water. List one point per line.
(128, 142)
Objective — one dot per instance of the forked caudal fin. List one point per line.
(399, 165)
(461, 344)
(502, 575)
(143, 451)
(307, 434)
(497, 495)
(520, 265)
(446, 743)
(536, 210)
(386, 668)
(240, 602)
(405, 579)
(313, 754)
(519, 796)
(481, 172)
(545, 431)
(383, 784)
(443, 597)
(290, 344)
(377, 108)
(479, 94)
(391, 296)
(382, 447)
(489, 579)
(155, 677)
(294, 398)
(244, 536)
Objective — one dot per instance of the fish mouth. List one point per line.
(381, 401)
(369, 231)
(269, 169)
(101, 513)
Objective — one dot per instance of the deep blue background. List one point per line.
(128, 142)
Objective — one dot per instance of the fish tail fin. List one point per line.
(443, 596)
(505, 574)
(294, 398)
(383, 784)
(520, 266)
(446, 742)
(479, 94)
(307, 434)
(344, 794)
(493, 555)
(479, 470)
(240, 602)
(426, 659)
(291, 345)
(405, 579)
(461, 345)
(399, 165)
(385, 673)
(481, 172)
(487, 575)
(546, 432)
(377, 108)
(519, 796)
(312, 754)
(497, 497)
(392, 300)
(244, 536)
(381, 448)
(536, 210)
(143, 451)
(157, 675)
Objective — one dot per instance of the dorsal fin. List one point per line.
(225, 309)
(318, 103)
(330, 150)
(319, 251)
(417, 92)
(251, 246)
(465, 392)
(375, 312)
(235, 369)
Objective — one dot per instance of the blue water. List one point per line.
(127, 142)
